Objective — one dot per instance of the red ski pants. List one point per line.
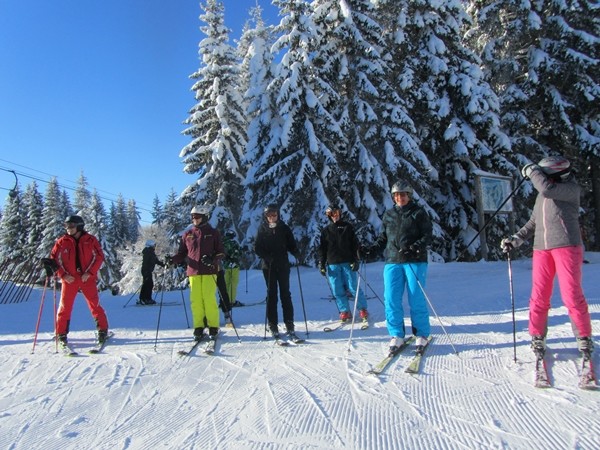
(67, 299)
(564, 262)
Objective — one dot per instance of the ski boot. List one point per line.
(538, 345)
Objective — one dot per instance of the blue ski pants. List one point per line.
(341, 276)
(396, 278)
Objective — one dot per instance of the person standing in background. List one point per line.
(149, 261)
(338, 261)
(273, 242)
(231, 265)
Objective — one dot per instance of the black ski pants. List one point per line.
(279, 278)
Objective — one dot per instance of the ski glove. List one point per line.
(411, 250)
(364, 251)
(322, 269)
(49, 265)
(207, 260)
(528, 169)
(509, 243)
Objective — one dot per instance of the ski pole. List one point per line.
(37, 325)
(55, 315)
(162, 293)
(301, 295)
(268, 295)
(354, 314)
(187, 321)
(372, 290)
(431, 306)
(132, 295)
(332, 297)
(512, 302)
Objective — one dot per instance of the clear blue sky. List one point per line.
(102, 86)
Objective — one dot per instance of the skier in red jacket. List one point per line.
(78, 257)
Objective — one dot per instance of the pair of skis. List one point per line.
(587, 376)
(209, 348)
(415, 364)
(364, 324)
(68, 350)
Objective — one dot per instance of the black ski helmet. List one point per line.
(331, 208)
(556, 166)
(230, 234)
(77, 220)
(270, 209)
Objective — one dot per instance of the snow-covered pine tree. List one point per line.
(96, 223)
(54, 213)
(217, 124)
(380, 148)
(176, 216)
(257, 70)
(542, 59)
(454, 110)
(299, 158)
(133, 220)
(83, 197)
(33, 226)
(118, 223)
(157, 211)
(12, 237)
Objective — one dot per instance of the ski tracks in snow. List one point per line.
(257, 395)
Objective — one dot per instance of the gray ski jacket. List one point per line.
(554, 222)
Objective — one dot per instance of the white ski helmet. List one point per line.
(201, 209)
(401, 186)
(556, 166)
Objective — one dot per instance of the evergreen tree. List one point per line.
(97, 224)
(217, 124)
(258, 72)
(299, 158)
(83, 197)
(175, 214)
(33, 221)
(12, 233)
(454, 110)
(133, 221)
(54, 213)
(157, 211)
(542, 59)
(381, 147)
(118, 225)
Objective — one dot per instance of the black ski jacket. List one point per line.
(273, 244)
(149, 261)
(406, 234)
(338, 244)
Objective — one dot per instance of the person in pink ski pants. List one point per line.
(557, 250)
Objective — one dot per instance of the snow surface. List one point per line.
(255, 395)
